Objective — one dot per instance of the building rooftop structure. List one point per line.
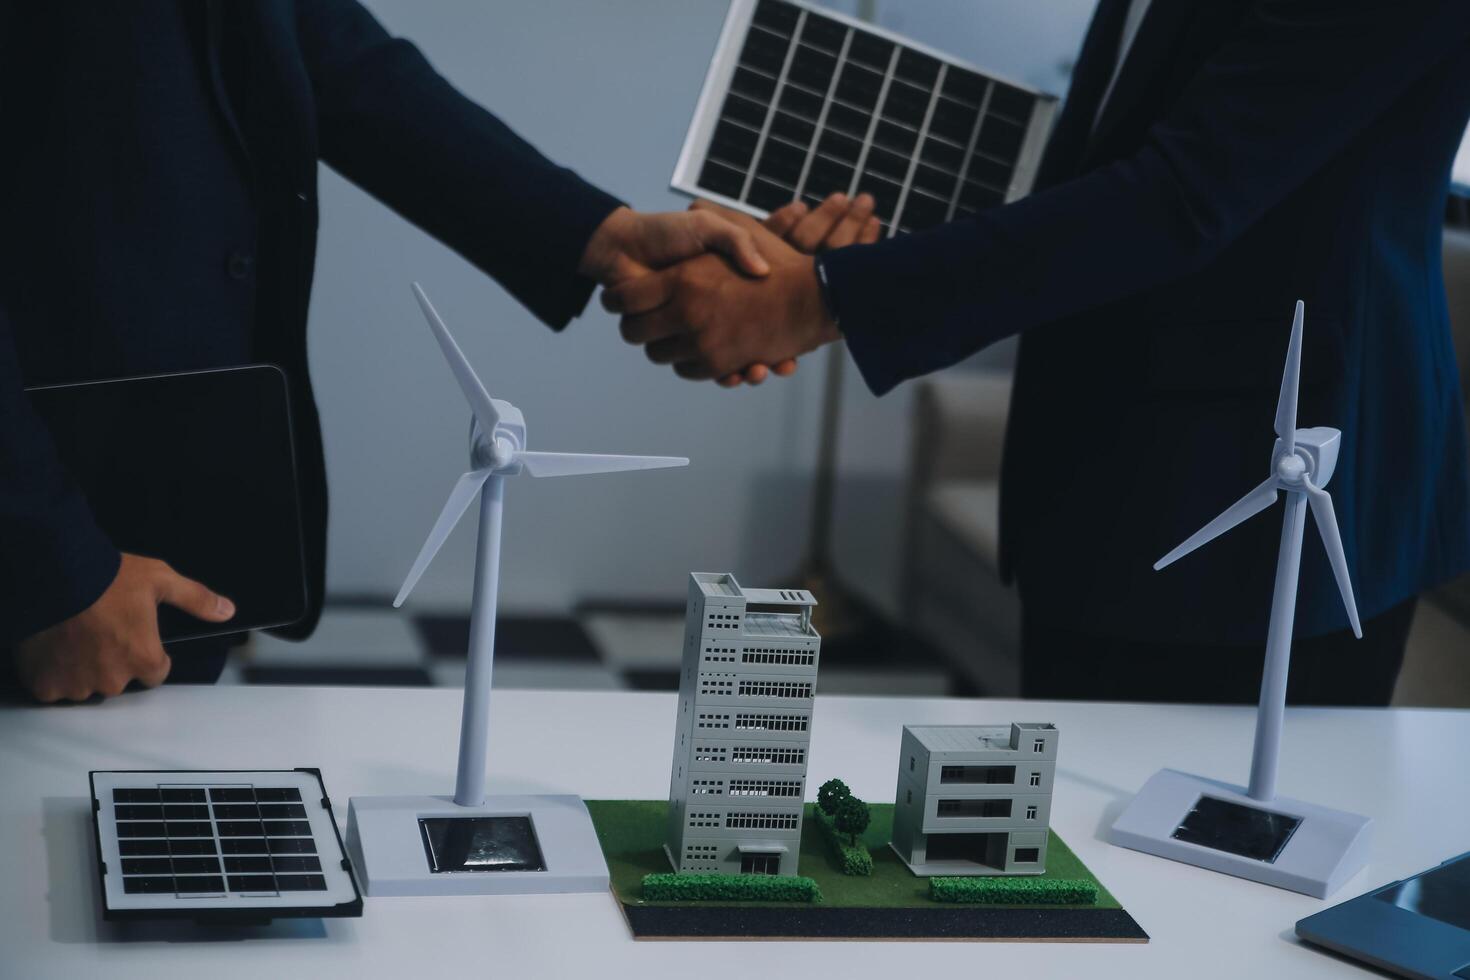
(768, 617)
(972, 738)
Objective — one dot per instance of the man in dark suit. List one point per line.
(1248, 153)
(158, 213)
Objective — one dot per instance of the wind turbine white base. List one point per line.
(390, 848)
(1326, 848)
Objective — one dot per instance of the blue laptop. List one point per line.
(1418, 927)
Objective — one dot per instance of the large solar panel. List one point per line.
(801, 102)
(219, 845)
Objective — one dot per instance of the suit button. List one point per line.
(240, 264)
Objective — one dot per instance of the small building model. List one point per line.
(738, 780)
(974, 800)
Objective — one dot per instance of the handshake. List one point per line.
(718, 295)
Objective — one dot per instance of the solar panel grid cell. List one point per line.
(872, 51)
(128, 848)
(823, 33)
(241, 865)
(776, 16)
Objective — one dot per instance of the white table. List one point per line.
(1405, 768)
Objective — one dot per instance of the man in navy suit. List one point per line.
(158, 213)
(1215, 162)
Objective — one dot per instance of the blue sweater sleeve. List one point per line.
(393, 125)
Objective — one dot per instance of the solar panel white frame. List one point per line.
(738, 24)
(340, 897)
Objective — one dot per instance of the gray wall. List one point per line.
(606, 88)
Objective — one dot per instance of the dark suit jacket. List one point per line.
(158, 212)
(1252, 153)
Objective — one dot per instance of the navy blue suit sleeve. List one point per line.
(391, 124)
(54, 560)
(1298, 80)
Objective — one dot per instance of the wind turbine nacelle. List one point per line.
(511, 428)
(1318, 446)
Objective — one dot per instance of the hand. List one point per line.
(115, 640)
(709, 321)
(629, 244)
(837, 222)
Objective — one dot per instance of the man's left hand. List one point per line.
(631, 243)
(837, 222)
(709, 320)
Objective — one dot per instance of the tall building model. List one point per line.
(738, 779)
(974, 800)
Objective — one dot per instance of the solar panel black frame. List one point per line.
(225, 913)
(792, 107)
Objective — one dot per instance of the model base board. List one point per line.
(889, 904)
(1290, 844)
(510, 845)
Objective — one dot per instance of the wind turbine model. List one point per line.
(1254, 833)
(429, 845)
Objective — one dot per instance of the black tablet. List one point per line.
(197, 469)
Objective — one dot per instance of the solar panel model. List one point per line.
(800, 103)
(239, 846)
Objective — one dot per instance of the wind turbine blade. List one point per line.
(1290, 380)
(577, 464)
(469, 382)
(1246, 507)
(1326, 518)
(459, 501)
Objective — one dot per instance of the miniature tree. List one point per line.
(831, 794)
(852, 817)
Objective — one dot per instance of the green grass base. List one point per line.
(631, 833)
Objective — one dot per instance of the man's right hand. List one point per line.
(837, 222)
(115, 640)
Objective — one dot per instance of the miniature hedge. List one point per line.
(729, 888)
(853, 858)
(1014, 891)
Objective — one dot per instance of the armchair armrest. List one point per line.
(959, 427)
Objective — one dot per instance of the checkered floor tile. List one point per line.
(602, 648)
